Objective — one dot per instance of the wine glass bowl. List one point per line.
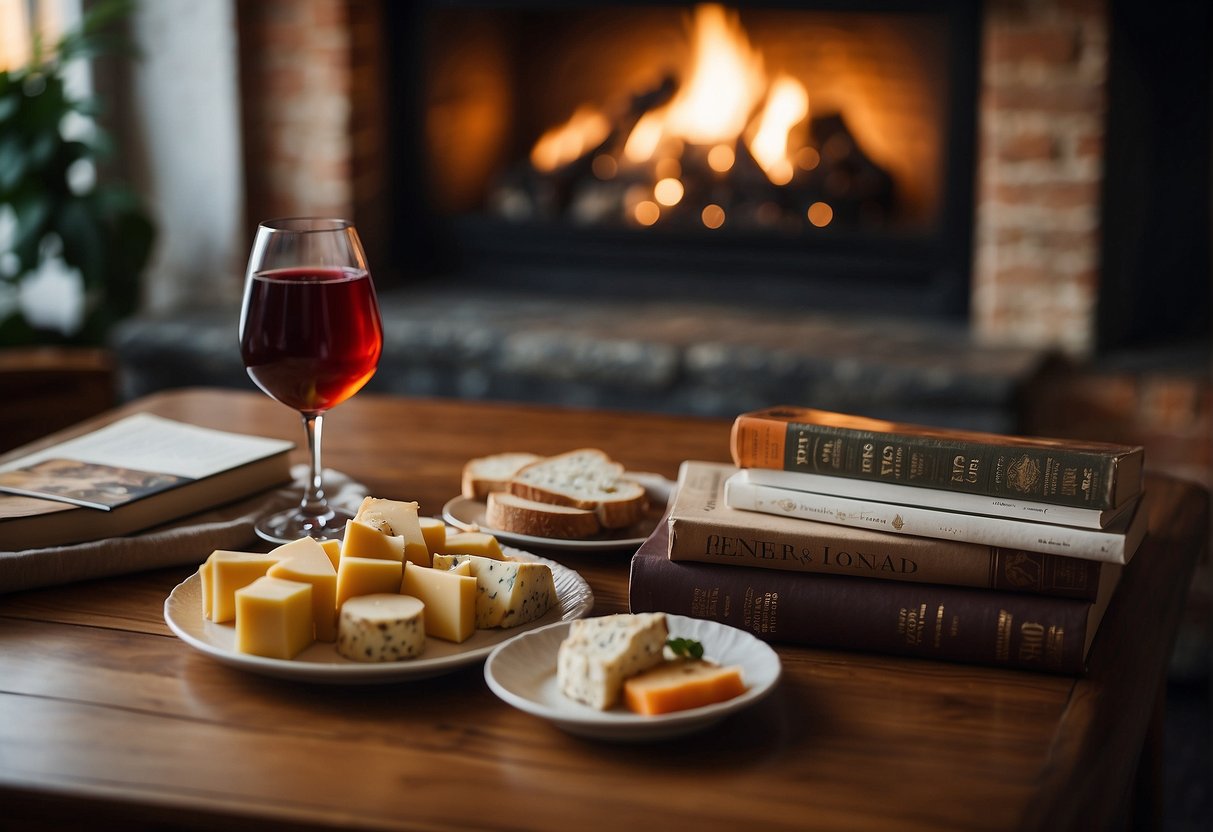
(310, 337)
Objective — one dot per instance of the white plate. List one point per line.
(322, 663)
(466, 513)
(523, 673)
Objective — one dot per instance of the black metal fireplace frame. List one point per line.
(924, 274)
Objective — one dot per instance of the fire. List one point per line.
(585, 130)
(726, 80)
(725, 98)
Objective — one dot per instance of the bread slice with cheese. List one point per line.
(511, 513)
(487, 474)
(586, 479)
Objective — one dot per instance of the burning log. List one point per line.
(711, 149)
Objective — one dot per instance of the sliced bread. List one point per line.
(484, 475)
(511, 513)
(587, 479)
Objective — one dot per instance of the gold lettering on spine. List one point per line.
(938, 625)
(910, 623)
(1002, 645)
(1031, 646)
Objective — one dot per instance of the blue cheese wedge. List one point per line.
(600, 653)
(381, 628)
(508, 593)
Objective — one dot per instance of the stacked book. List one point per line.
(846, 532)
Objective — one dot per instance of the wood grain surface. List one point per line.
(107, 720)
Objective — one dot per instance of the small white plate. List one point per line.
(466, 513)
(322, 663)
(523, 673)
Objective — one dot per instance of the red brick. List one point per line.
(1033, 43)
(1069, 97)
(1024, 147)
(1062, 195)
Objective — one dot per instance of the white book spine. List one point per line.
(910, 495)
(1106, 546)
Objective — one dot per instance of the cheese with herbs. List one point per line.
(381, 628)
(600, 653)
(508, 593)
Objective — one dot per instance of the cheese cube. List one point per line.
(473, 543)
(381, 628)
(274, 618)
(680, 685)
(433, 530)
(225, 572)
(332, 548)
(398, 518)
(364, 541)
(508, 593)
(367, 576)
(306, 560)
(449, 598)
(600, 653)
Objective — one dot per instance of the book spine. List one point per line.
(1057, 475)
(887, 492)
(923, 522)
(971, 626)
(830, 549)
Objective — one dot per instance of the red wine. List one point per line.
(311, 337)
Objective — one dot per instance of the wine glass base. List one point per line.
(293, 524)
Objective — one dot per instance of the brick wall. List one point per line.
(295, 79)
(1042, 106)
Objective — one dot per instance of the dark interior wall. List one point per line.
(1155, 287)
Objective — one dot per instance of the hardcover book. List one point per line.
(1095, 475)
(704, 529)
(975, 626)
(133, 474)
(1116, 544)
(968, 503)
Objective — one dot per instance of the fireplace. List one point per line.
(1071, 221)
(807, 154)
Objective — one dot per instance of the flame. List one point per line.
(585, 130)
(724, 97)
(787, 105)
(725, 82)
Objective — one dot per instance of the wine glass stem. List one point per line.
(314, 505)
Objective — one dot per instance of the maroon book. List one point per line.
(960, 624)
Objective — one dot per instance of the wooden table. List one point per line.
(107, 719)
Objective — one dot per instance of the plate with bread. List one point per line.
(578, 500)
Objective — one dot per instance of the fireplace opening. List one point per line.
(803, 153)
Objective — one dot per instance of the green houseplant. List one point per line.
(56, 215)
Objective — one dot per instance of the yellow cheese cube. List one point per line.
(473, 543)
(433, 530)
(365, 541)
(367, 576)
(332, 548)
(226, 572)
(307, 561)
(274, 618)
(449, 598)
(396, 517)
(206, 573)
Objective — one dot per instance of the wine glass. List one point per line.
(310, 337)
